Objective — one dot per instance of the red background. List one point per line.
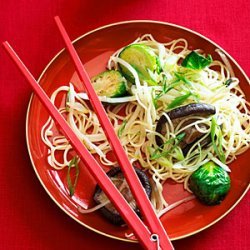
(28, 218)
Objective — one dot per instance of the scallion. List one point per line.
(181, 77)
(121, 129)
(216, 137)
(155, 155)
(228, 82)
(72, 186)
(179, 100)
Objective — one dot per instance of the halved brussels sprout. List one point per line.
(110, 83)
(143, 59)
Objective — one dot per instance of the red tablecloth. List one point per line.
(28, 218)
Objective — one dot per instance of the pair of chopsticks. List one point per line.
(151, 234)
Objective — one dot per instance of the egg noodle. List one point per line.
(135, 121)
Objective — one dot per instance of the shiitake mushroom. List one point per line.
(191, 134)
(117, 177)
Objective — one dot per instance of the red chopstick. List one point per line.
(131, 218)
(142, 200)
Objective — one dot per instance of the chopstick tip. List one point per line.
(5, 43)
(57, 19)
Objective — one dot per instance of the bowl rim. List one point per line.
(79, 38)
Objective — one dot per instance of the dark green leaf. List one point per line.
(196, 61)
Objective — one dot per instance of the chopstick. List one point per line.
(128, 214)
(138, 191)
(144, 235)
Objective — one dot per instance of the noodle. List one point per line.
(136, 120)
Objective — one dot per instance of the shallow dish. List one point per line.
(94, 48)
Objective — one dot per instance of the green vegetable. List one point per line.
(196, 61)
(165, 89)
(72, 186)
(122, 127)
(179, 100)
(210, 183)
(216, 137)
(143, 59)
(67, 100)
(110, 83)
(228, 82)
(174, 141)
(181, 77)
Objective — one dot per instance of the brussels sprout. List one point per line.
(143, 59)
(196, 61)
(210, 183)
(110, 83)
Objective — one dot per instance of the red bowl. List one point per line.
(94, 48)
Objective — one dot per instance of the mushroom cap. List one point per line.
(109, 211)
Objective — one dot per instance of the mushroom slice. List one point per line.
(177, 115)
(117, 177)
